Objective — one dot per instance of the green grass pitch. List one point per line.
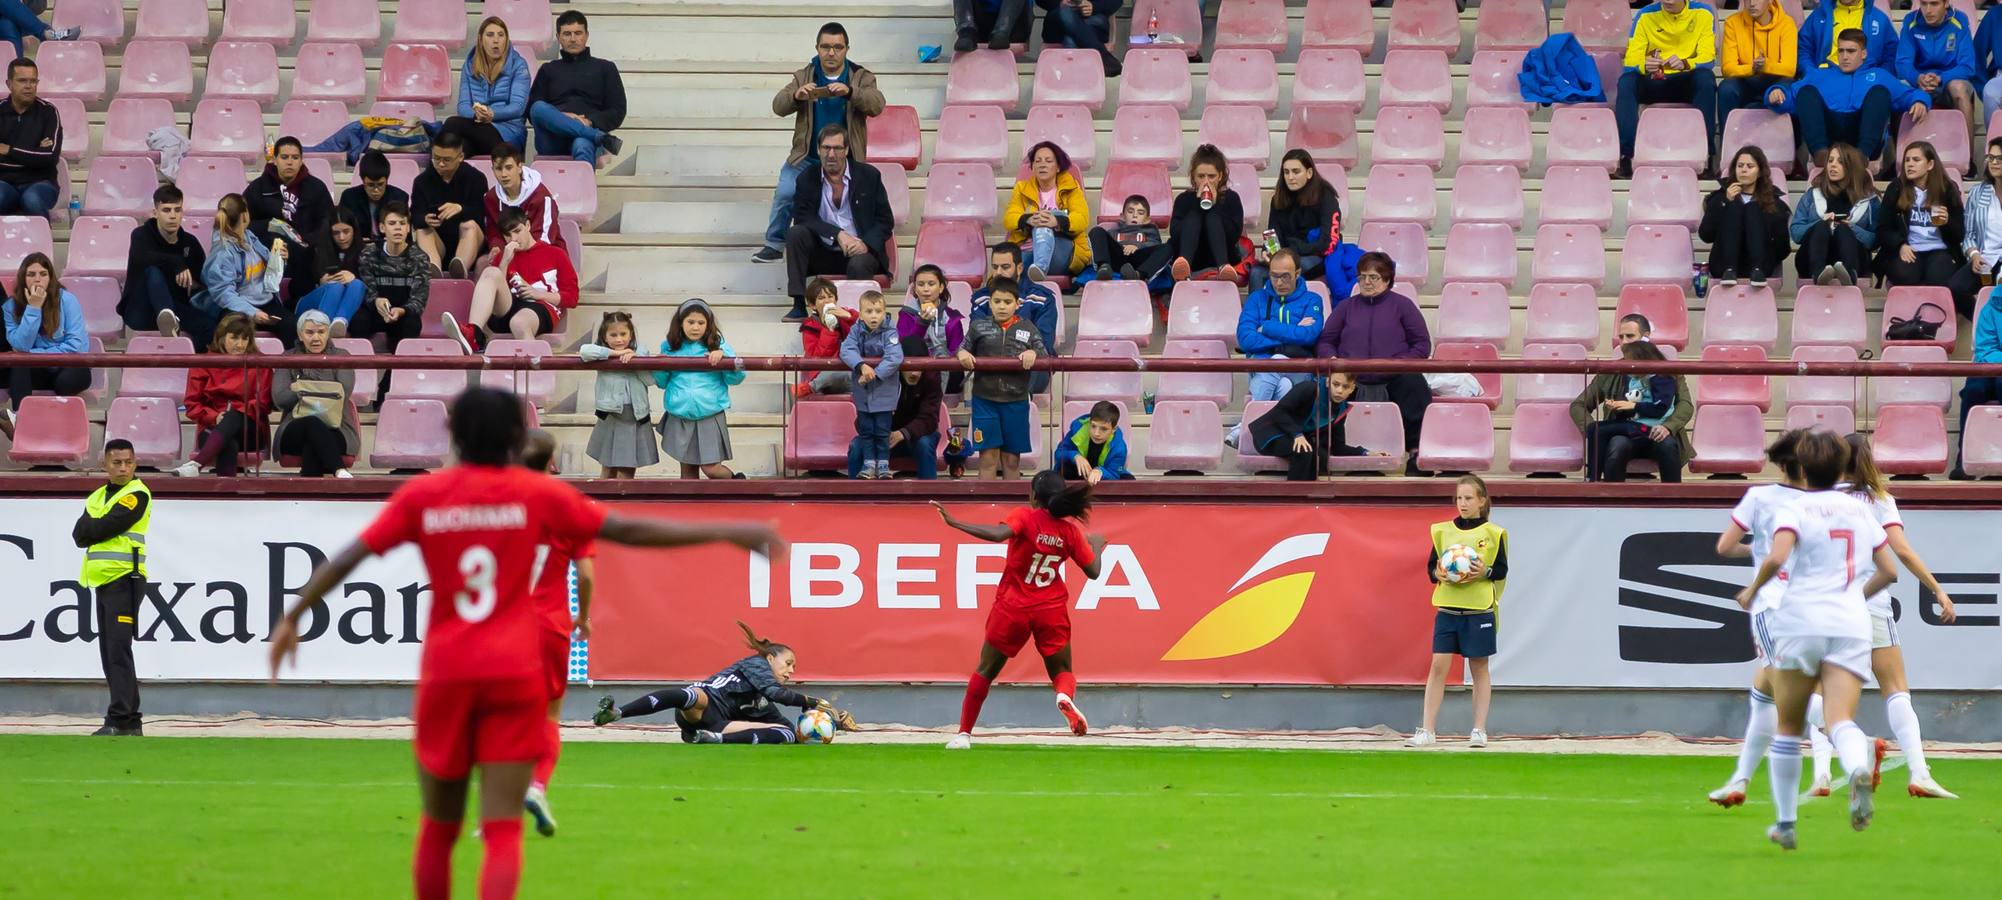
(299, 819)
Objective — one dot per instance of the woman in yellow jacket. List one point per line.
(1465, 623)
(1048, 216)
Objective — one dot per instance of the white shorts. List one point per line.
(1809, 654)
(1762, 640)
(1883, 632)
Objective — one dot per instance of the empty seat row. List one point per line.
(245, 70)
(357, 22)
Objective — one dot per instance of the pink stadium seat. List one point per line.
(249, 69)
(1550, 387)
(99, 246)
(1543, 440)
(331, 72)
(205, 180)
(1660, 140)
(270, 346)
(1577, 195)
(894, 138)
(1103, 385)
(1730, 440)
(453, 295)
(410, 434)
(897, 184)
(1181, 24)
(436, 384)
(365, 379)
(1214, 387)
(1664, 195)
(1242, 179)
(1473, 312)
(1326, 131)
(1400, 193)
(530, 22)
(972, 134)
(1416, 78)
(403, 170)
(270, 21)
(1425, 25)
(1076, 77)
(1657, 254)
(536, 385)
(1490, 381)
(1147, 133)
(1599, 24)
(1186, 435)
(75, 121)
(1124, 179)
(1836, 419)
(1562, 314)
(102, 21)
(1069, 127)
(1910, 302)
(573, 238)
(1155, 76)
(152, 425)
(1248, 458)
(1742, 315)
(1511, 25)
(1204, 310)
(1249, 76)
(228, 128)
(351, 21)
(51, 431)
(1665, 307)
(99, 299)
(848, 291)
(71, 69)
(186, 21)
(1327, 76)
(817, 436)
(1116, 311)
(1479, 252)
(960, 191)
(1569, 254)
(1830, 316)
(1374, 427)
(157, 69)
(1496, 135)
(956, 246)
(1487, 194)
(130, 120)
(1897, 390)
(575, 186)
(1768, 130)
(20, 236)
(1339, 25)
(983, 77)
(1754, 390)
(1407, 246)
(1241, 132)
(1910, 440)
(1457, 437)
(1584, 136)
(404, 109)
(1492, 80)
(1981, 443)
(167, 384)
(198, 228)
(1946, 130)
(119, 185)
(1409, 134)
(419, 72)
(1251, 24)
(441, 22)
(1822, 390)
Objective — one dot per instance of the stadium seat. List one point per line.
(817, 437)
(198, 228)
(1333, 77)
(1400, 193)
(1075, 77)
(102, 21)
(1742, 315)
(410, 434)
(1251, 25)
(1185, 436)
(186, 21)
(1204, 310)
(1753, 390)
(1562, 314)
(1425, 25)
(960, 191)
(443, 22)
(574, 185)
(983, 77)
(1822, 390)
(1543, 440)
(1576, 195)
(161, 69)
(1657, 254)
(365, 379)
(1910, 440)
(127, 123)
(437, 384)
(897, 184)
(1569, 254)
(403, 169)
(848, 291)
(1457, 437)
(99, 298)
(1416, 78)
(1511, 25)
(404, 109)
(1473, 312)
(1981, 443)
(1600, 24)
(1373, 427)
(1339, 25)
(1180, 24)
(1583, 136)
(1069, 127)
(99, 246)
(331, 72)
(1496, 135)
(1124, 179)
(228, 128)
(1407, 246)
(1730, 440)
(51, 431)
(419, 72)
(1477, 252)
(1946, 129)
(1102, 385)
(271, 21)
(1408, 134)
(1830, 316)
(349, 21)
(1116, 311)
(120, 185)
(1763, 128)
(1326, 131)
(1213, 387)
(20, 236)
(1244, 76)
(1153, 76)
(530, 22)
(1664, 195)
(1661, 139)
(270, 346)
(895, 139)
(1490, 381)
(75, 119)
(1891, 390)
(1249, 460)
(1666, 309)
(1487, 194)
(1931, 304)
(972, 134)
(249, 70)
(1241, 132)
(1492, 80)
(73, 70)
(538, 386)
(152, 425)
(1550, 387)
(453, 295)
(166, 384)
(205, 180)
(1148, 134)
(956, 245)
(1836, 419)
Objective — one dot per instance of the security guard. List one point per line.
(112, 533)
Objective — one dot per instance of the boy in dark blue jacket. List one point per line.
(1850, 102)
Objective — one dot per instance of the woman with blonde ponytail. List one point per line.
(739, 705)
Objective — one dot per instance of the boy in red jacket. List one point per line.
(522, 293)
(827, 324)
(518, 187)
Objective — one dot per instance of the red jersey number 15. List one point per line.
(1044, 569)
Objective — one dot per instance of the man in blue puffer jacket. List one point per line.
(1981, 391)
(1850, 103)
(1280, 320)
(1936, 55)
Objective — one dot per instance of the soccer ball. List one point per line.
(1458, 561)
(815, 725)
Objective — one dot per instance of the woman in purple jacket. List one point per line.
(1379, 323)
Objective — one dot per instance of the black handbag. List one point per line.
(1916, 328)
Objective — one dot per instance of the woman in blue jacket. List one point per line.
(41, 317)
(493, 93)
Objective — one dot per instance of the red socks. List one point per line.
(432, 869)
(1065, 684)
(969, 709)
(501, 871)
(546, 765)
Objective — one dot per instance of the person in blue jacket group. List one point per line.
(1988, 60)
(1281, 320)
(1851, 102)
(1094, 449)
(1981, 391)
(1936, 55)
(1819, 34)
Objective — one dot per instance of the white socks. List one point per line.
(1852, 746)
(1905, 726)
(1824, 752)
(1759, 729)
(1784, 761)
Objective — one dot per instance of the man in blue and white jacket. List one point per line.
(1936, 55)
(1981, 391)
(1819, 33)
(1849, 102)
(1281, 320)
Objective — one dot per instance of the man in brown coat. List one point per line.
(828, 91)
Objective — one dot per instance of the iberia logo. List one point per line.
(1259, 614)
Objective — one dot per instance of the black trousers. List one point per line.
(1305, 465)
(1208, 245)
(234, 433)
(1149, 261)
(1742, 247)
(1610, 446)
(1010, 21)
(481, 137)
(319, 446)
(117, 625)
(1825, 244)
(1935, 268)
(25, 380)
(368, 323)
(806, 257)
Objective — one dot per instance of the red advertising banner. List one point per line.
(886, 592)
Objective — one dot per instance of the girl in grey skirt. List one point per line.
(622, 441)
(695, 430)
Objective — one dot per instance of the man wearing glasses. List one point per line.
(841, 221)
(828, 91)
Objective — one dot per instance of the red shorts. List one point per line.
(556, 662)
(1009, 628)
(464, 723)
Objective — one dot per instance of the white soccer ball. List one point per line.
(815, 725)
(1458, 561)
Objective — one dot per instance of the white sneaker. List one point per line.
(1073, 715)
(339, 329)
(1420, 738)
(537, 804)
(64, 34)
(1729, 795)
(1477, 739)
(1923, 786)
(960, 741)
(1036, 273)
(450, 324)
(168, 323)
(1783, 836)
(1822, 786)
(343, 473)
(1861, 791)
(188, 469)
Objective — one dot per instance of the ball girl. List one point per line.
(738, 705)
(1032, 599)
(1465, 623)
(622, 441)
(695, 429)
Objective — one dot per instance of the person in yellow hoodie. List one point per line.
(1048, 216)
(1670, 59)
(1761, 49)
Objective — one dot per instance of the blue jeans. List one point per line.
(1049, 252)
(871, 446)
(17, 22)
(1267, 386)
(781, 218)
(1976, 392)
(556, 133)
(1081, 31)
(338, 301)
(34, 200)
(924, 450)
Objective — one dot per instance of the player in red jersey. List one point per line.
(552, 603)
(1032, 600)
(486, 528)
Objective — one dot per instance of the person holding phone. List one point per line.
(1835, 223)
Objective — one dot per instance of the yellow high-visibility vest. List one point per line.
(116, 557)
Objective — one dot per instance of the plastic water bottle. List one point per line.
(1153, 26)
(76, 207)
